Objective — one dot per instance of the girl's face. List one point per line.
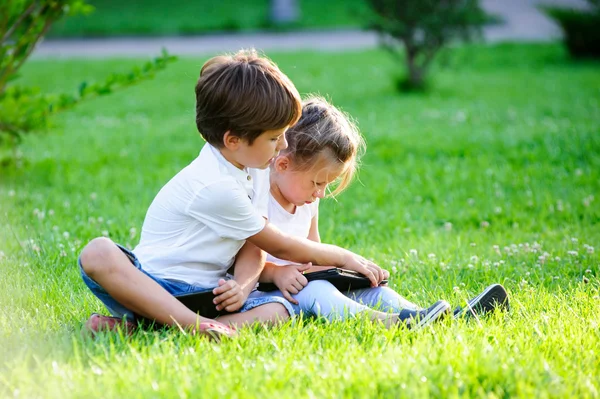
(300, 187)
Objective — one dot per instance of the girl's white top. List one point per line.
(295, 224)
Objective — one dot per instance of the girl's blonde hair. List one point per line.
(322, 127)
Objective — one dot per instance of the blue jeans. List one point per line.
(321, 298)
(173, 287)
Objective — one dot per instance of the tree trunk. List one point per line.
(416, 73)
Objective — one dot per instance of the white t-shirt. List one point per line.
(201, 218)
(295, 224)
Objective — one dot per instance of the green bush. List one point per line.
(581, 29)
(24, 109)
(415, 30)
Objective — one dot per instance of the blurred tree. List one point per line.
(22, 24)
(415, 30)
(581, 28)
(284, 11)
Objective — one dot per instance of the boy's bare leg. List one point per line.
(270, 313)
(107, 265)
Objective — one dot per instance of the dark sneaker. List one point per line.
(416, 319)
(494, 296)
(99, 323)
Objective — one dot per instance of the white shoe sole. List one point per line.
(492, 297)
(440, 310)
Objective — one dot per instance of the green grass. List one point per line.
(504, 151)
(156, 18)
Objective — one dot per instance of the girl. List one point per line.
(324, 147)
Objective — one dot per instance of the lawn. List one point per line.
(494, 176)
(180, 17)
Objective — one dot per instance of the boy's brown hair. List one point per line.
(246, 94)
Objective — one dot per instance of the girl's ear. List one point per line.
(230, 141)
(282, 163)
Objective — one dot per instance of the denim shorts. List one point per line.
(174, 287)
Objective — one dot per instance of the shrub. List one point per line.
(22, 109)
(581, 29)
(415, 30)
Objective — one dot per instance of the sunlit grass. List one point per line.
(493, 176)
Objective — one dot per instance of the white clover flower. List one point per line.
(474, 258)
(431, 256)
(448, 226)
(67, 204)
(574, 239)
(105, 233)
(36, 212)
(498, 210)
(11, 193)
(473, 244)
(413, 252)
(573, 253)
(485, 224)
(66, 235)
(394, 269)
(471, 201)
(51, 212)
(93, 196)
(456, 289)
(100, 219)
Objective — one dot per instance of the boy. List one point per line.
(213, 212)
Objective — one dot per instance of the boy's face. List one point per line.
(263, 150)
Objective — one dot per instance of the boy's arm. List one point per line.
(301, 250)
(249, 263)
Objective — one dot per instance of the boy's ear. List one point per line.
(230, 141)
(282, 163)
